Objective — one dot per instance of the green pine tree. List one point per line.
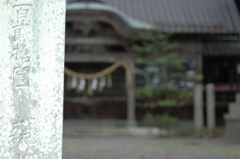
(161, 75)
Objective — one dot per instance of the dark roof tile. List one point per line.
(190, 16)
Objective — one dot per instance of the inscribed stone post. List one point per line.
(31, 75)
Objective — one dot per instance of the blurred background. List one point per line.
(138, 72)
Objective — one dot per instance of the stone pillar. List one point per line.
(31, 73)
(131, 121)
(232, 119)
(198, 109)
(211, 108)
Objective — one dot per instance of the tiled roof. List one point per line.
(189, 16)
(221, 49)
(133, 23)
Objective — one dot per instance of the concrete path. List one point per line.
(147, 148)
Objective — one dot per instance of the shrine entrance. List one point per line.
(99, 63)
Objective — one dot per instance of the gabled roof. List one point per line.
(102, 7)
(183, 16)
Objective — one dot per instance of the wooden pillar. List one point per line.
(131, 121)
(198, 95)
(198, 109)
(211, 119)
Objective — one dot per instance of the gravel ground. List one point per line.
(147, 148)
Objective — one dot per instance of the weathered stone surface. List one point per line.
(234, 109)
(232, 129)
(31, 73)
(233, 122)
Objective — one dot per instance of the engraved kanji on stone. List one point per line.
(25, 60)
(18, 131)
(18, 50)
(22, 14)
(21, 76)
(18, 136)
(17, 33)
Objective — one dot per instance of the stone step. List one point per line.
(231, 117)
(128, 132)
(116, 128)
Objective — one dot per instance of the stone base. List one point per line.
(232, 129)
